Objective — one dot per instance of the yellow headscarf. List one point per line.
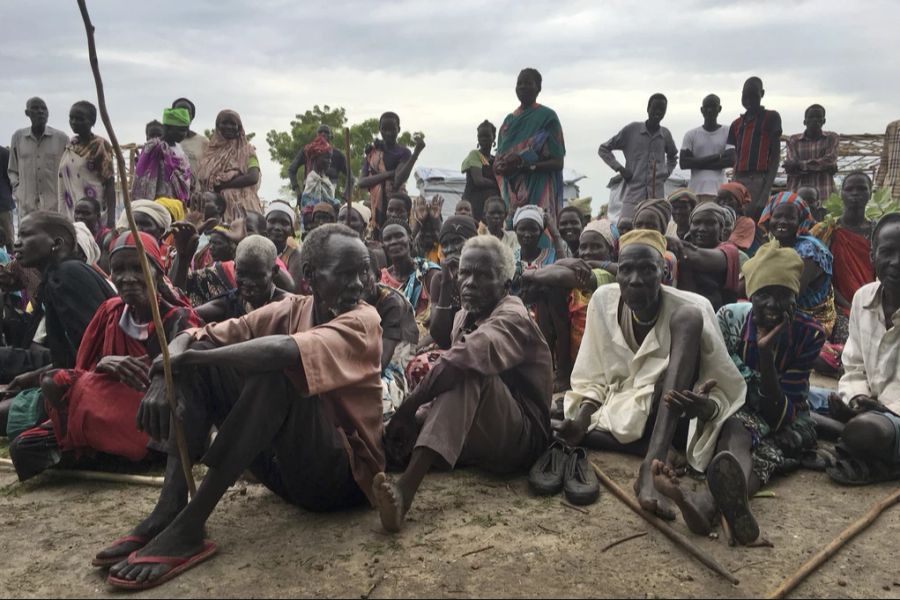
(773, 265)
(174, 206)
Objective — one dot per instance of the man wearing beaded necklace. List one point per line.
(644, 342)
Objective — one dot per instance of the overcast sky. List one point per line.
(444, 67)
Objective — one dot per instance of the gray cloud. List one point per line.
(445, 67)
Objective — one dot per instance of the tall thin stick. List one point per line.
(348, 193)
(145, 265)
(835, 545)
(663, 528)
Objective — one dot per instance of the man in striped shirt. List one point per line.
(811, 157)
(756, 137)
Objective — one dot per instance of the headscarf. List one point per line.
(646, 237)
(280, 206)
(738, 190)
(175, 208)
(151, 247)
(223, 160)
(161, 217)
(462, 225)
(718, 212)
(85, 240)
(315, 149)
(806, 219)
(659, 206)
(176, 116)
(529, 211)
(773, 265)
(604, 228)
(361, 209)
(684, 194)
(582, 205)
(324, 207)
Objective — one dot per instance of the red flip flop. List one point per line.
(112, 560)
(178, 564)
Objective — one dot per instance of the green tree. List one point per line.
(285, 145)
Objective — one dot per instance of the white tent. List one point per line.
(450, 184)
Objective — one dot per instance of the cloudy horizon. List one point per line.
(445, 68)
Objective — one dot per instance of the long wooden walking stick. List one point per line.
(835, 545)
(663, 528)
(348, 193)
(145, 265)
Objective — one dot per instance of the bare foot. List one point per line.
(697, 511)
(389, 502)
(649, 498)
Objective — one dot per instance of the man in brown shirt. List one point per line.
(295, 391)
(489, 394)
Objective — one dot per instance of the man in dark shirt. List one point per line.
(756, 137)
(338, 165)
(489, 393)
(6, 201)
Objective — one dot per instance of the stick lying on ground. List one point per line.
(145, 266)
(835, 545)
(667, 531)
(98, 475)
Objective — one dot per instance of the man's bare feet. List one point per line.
(649, 498)
(697, 509)
(390, 503)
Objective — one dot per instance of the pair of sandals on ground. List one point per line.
(565, 469)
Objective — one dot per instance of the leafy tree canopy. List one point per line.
(285, 145)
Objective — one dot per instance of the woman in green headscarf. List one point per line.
(163, 169)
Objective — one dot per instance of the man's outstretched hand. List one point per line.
(693, 405)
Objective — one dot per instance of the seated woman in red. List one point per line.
(93, 406)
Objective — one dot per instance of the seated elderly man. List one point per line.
(489, 393)
(642, 342)
(295, 392)
(869, 391)
(255, 267)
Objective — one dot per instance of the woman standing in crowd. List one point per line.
(163, 169)
(481, 183)
(86, 167)
(230, 166)
(530, 151)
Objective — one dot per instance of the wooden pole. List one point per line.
(97, 475)
(835, 545)
(663, 527)
(145, 265)
(348, 193)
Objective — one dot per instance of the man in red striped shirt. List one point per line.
(756, 137)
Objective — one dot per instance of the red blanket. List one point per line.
(99, 409)
(852, 263)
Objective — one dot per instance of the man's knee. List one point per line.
(687, 320)
(870, 434)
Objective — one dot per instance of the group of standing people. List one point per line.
(388, 337)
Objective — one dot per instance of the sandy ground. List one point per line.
(468, 535)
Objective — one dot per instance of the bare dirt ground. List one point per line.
(526, 546)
